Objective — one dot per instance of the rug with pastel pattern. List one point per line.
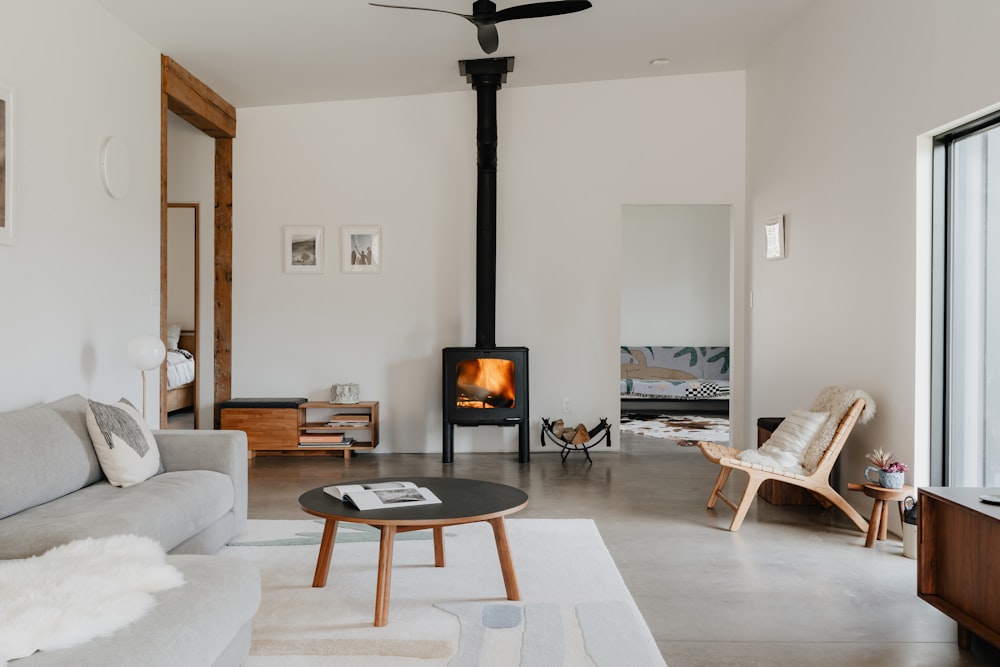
(575, 608)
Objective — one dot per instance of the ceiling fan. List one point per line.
(485, 15)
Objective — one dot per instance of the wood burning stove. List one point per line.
(485, 387)
(485, 384)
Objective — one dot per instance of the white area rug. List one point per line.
(685, 430)
(575, 608)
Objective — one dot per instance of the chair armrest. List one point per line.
(221, 451)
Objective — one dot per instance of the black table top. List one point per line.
(462, 501)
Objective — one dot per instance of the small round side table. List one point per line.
(878, 525)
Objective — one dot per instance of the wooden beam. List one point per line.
(196, 103)
(223, 271)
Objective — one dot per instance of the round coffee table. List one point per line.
(462, 501)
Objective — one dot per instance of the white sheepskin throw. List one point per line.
(78, 591)
(798, 443)
(837, 401)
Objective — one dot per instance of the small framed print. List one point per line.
(6, 166)
(361, 249)
(303, 249)
(774, 235)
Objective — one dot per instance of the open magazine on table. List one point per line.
(382, 495)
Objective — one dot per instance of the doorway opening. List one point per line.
(185, 95)
(675, 318)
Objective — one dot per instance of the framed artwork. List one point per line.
(361, 249)
(6, 165)
(303, 249)
(774, 234)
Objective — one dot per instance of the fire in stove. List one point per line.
(485, 383)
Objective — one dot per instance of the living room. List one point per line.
(829, 126)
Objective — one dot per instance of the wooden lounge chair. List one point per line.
(818, 482)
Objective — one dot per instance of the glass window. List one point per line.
(970, 335)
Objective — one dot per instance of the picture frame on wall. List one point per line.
(774, 235)
(6, 165)
(361, 249)
(303, 249)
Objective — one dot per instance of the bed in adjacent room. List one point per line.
(180, 368)
(675, 379)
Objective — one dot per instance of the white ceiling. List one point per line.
(270, 52)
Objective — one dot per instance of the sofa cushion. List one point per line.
(124, 444)
(169, 508)
(195, 624)
(48, 447)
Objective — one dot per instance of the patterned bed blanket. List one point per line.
(675, 372)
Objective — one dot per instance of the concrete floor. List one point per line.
(795, 586)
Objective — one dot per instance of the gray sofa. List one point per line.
(52, 491)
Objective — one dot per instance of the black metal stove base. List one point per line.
(523, 447)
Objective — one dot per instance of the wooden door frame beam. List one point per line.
(185, 95)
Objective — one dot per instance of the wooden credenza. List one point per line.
(958, 559)
(276, 426)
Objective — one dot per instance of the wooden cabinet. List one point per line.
(320, 420)
(957, 567)
(271, 424)
(297, 427)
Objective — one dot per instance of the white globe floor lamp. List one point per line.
(146, 353)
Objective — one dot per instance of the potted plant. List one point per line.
(889, 470)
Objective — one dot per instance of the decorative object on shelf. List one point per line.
(146, 353)
(345, 393)
(303, 249)
(116, 167)
(575, 438)
(889, 470)
(361, 249)
(6, 165)
(774, 234)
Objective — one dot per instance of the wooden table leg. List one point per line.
(325, 553)
(438, 546)
(964, 637)
(873, 524)
(384, 575)
(883, 526)
(506, 563)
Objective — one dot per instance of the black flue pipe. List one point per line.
(486, 75)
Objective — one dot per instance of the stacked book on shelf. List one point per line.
(325, 440)
(349, 421)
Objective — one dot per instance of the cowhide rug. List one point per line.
(685, 430)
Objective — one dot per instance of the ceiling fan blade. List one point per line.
(488, 37)
(422, 9)
(540, 9)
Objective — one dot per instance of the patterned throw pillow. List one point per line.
(124, 444)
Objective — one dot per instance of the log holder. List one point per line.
(598, 434)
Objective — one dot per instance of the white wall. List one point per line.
(675, 275)
(191, 180)
(570, 156)
(181, 266)
(83, 275)
(835, 109)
